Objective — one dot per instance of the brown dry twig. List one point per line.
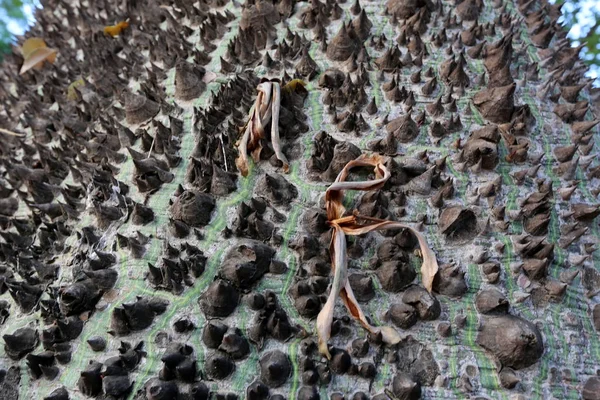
(348, 225)
(265, 110)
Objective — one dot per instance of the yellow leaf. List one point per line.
(35, 52)
(71, 93)
(116, 30)
(32, 44)
(295, 85)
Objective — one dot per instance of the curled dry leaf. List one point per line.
(35, 52)
(116, 30)
(429, 267)
(276, 106)
(348, 225)
(335, 192)
(266, 109)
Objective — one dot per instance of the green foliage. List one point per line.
(5, 37)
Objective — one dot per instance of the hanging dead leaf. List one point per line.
(388, 334)
(429, 267)
(242, 161)
(116, 30)
(275, 109)
(348, 225)
(335, 192)
(35, 52)
(265, 110)
(339, 261)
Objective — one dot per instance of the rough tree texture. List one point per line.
(136, 262)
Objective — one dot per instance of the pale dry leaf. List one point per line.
(265, 89)
(388, 334)
(275, 127)
(341, 286)
(242, 161)
(256, 133)
(266, 110)
(257, 115)
(11, 133)
(335, 192)
(35, 53)
(339, 262)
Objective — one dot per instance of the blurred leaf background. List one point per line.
(580, 17)
(15, 18)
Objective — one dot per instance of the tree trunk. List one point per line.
(155, 244)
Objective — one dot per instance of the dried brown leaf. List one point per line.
(265, 110)
(275, 127)
(339, 262)
(35, 53)
(11, 133)
(265, 91)
(341, 286)
(335, 192)
(388, 334)
(242, 161)
(429, 267)
(339, 259)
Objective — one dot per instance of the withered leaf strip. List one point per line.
(348, 225)
(265, 110)
(275, 127)
(339, 260)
